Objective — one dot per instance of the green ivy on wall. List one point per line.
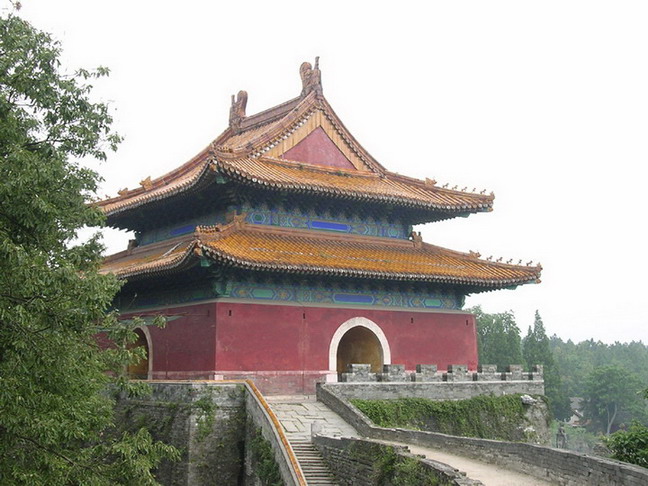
(487, 417)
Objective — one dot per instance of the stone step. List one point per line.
(315, 470)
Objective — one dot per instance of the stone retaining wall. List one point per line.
(557, 465)
(208, 421)
(357, 462)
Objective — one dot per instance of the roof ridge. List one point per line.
(319, 168)
(270, 114)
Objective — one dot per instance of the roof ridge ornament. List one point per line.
(237, 110)
(417, 239)
(311, 77)
(147, 184)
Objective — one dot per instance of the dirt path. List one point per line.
(489, 474)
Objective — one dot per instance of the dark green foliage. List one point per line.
(486, 417)
(537, 350)
(498, 338)
(577, 360)
(630, 445)
(394, 470)
(55, 419)
(613, 395)
(265, 465)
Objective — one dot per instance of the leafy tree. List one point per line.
(55, 416)
(630, 445)
(536, 350)
(612, 396)
(498, 338)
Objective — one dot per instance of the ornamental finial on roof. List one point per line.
(311, 77)
(237, 110)
(417, 239)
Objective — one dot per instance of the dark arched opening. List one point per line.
(139, 370)
(359, 345)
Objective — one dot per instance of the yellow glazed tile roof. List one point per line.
(256, 247)
(239, 155)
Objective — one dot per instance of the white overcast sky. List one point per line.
(544, 103)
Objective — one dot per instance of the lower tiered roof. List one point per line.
(251, 247)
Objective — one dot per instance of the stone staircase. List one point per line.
(298, 415)
(313, 466)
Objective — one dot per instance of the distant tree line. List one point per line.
(610, 378)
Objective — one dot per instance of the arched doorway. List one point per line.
(358, 340)
(140, 370)
(359, 345)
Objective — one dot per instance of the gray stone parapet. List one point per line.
(537, 373)
(427, 372)
(394, 372)
(457, 373)
(487, 372)
(359, 373)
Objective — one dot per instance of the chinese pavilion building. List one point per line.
(284, 251)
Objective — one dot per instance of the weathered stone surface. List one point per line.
(358, 373)
(557, 465)
(458, 373)
(207, 423)
(394, 372)
(211, 423)
(426, 372)
(513, 373)
(435, 390)
(356, 462)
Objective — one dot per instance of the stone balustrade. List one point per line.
(361, 373)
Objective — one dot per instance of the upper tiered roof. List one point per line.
(299, 147)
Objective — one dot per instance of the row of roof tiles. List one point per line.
(256, 247)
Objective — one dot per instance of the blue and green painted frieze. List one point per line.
(325, 222)
(304, 294)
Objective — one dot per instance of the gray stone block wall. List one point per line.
(205, 422)
(555, 465)
(208, 422)
(357, 462)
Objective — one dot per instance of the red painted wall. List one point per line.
(285, 349)
(185, 346)
(274, 337)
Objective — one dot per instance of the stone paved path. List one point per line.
(298, 413)
(489, 474)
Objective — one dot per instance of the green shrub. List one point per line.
(630, 445)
